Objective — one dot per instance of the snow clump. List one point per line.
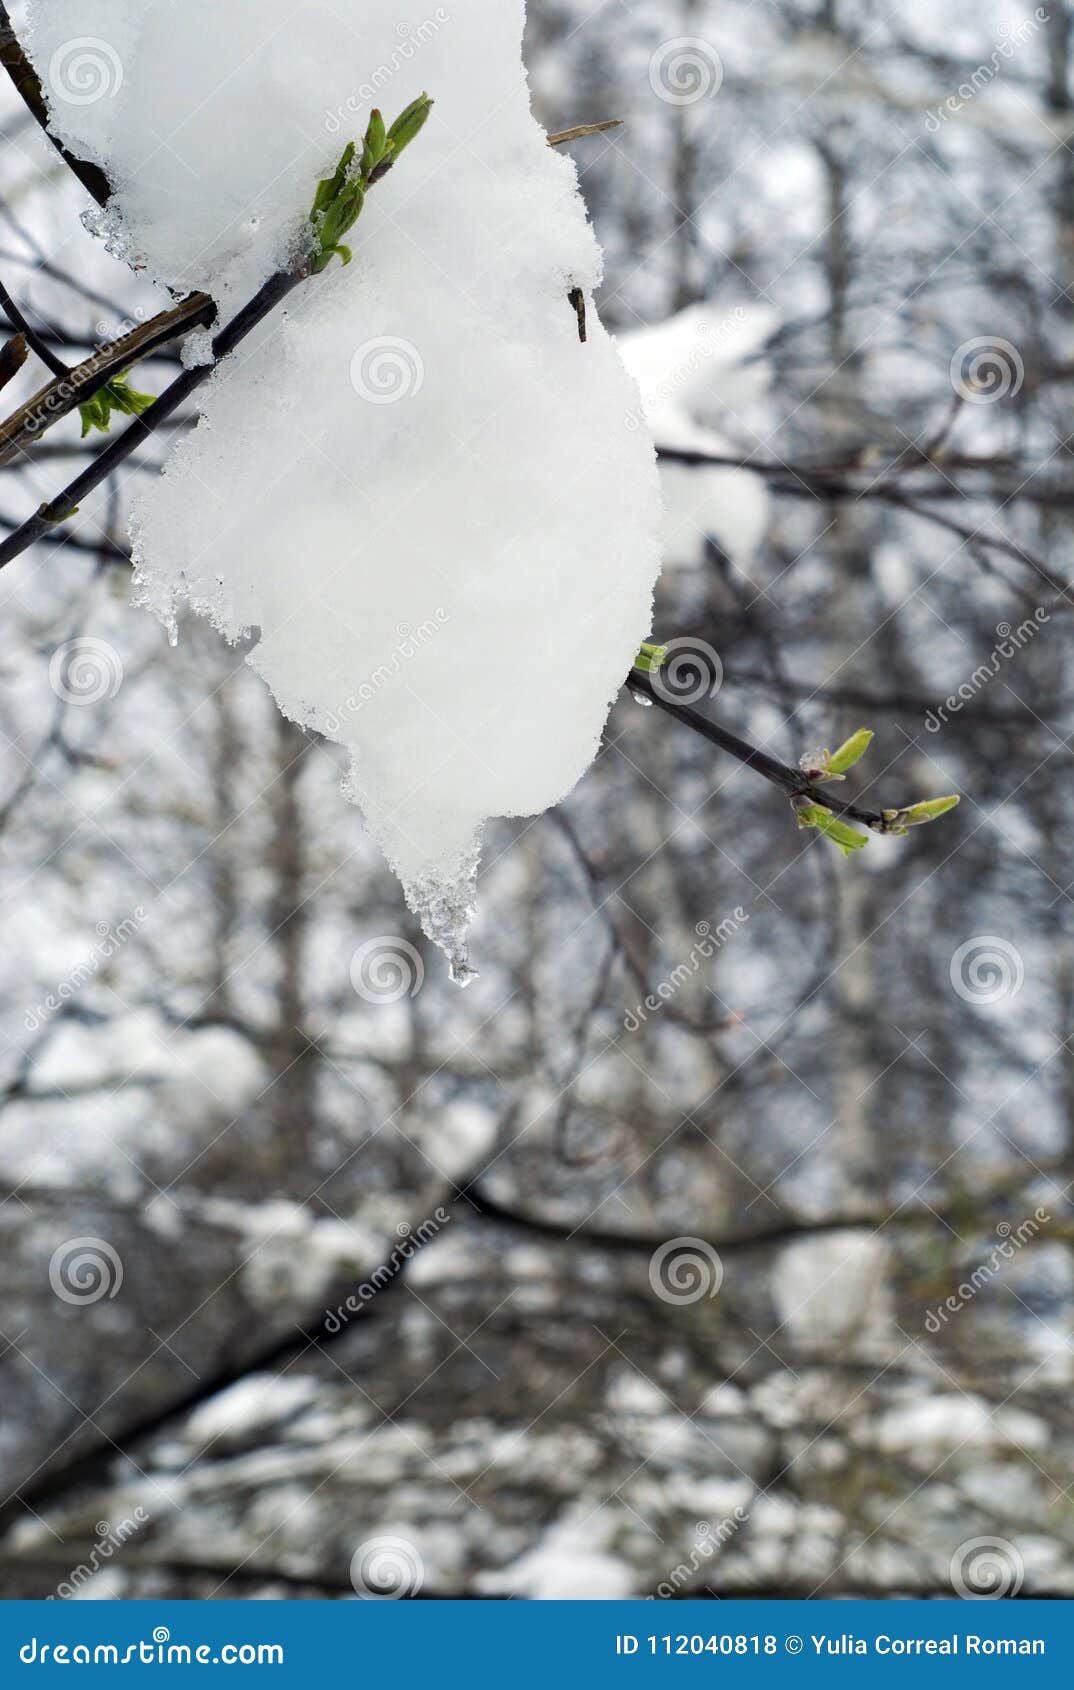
(414, 486)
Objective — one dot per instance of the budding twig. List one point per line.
(24, 428)
(791, 781)
(337, 206)
(814, 806)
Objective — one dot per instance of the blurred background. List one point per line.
(717, 1241)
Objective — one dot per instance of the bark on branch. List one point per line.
(28, 87)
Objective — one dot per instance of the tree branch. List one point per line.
(71, 387)
(802, 481)
(123, 445)
(791, 781)
(59, 398)
(580, 130)
(19, 322)
(28, 87)
(336, 207)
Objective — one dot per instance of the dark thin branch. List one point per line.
(621, 945)
(783, 1228)
(28, 87)
(791, 781)
(1019, 715)
(264, 302)
(13, 355)
(804, 482)
(19, 322)
(103, 548)
(142, 428)
(59, 398)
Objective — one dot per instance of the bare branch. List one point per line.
(28, 86)
(562, 136)
(19, 322)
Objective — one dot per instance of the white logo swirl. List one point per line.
(161, 1634)
(387, 969)
(986, 1568)
(691, 670)
(85, 670)
(387, 369)
(684, 1270)
(685, 70)
(986, 369)
(85, 70)
(83, 1270)
(986, 970)
(386, 1569)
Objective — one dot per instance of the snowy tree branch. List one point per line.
(121, 448)
(29, 89)
(337, 206)
(60, 397)
(791, 781)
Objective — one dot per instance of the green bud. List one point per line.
(122, 397)
(376, 136)
(339, 198)
(849, 752)
(847, 839)
(91, 414)
(410, 122)
(918, 814)
(651, 657)
(329, 188)
(115, 395)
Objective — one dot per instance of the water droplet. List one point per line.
(640, 698)
(462, 973)
(173, 633)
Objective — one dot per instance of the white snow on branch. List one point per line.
(415, 485)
